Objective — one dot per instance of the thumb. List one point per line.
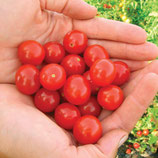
(111, 141)
(76, 9)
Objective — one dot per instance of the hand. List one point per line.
(26, 132)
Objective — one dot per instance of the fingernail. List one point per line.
(123, 140)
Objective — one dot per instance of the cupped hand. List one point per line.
(25, 131)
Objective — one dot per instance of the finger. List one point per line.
(111, 141)
(134, 65)
(145, 52)
(100, 28)
(104, 114)
(77, 9)
(138, 75)
(134, 105)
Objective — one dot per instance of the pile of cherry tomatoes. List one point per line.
(72, 82)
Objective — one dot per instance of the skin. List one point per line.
(25, 131)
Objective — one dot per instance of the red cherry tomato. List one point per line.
(130, 145)
(31, 52)
(93, 53)
(52, 76)
(139, 133)
(77, 90)
(46, 101)
(66, 115)
(27, 79)
(94, 88)
(91, 107)
(61, 91)
(136, 145)
(54, 52)
(145, 132)
(87, 130)
(75, 42)
(122, 73)
(128, 151)
(102, 72)
(110, 97)
(73, 64)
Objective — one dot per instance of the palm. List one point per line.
(26, 123)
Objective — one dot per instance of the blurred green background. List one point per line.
(143, 13)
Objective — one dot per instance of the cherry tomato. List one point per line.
(102, 72)
(61, 91)
(54, 52)
(110, 97)
(145, 132)
(73, 64)
(93, 53)
(52, 76)
(27, 79)
(75, 42)
(128, 151)
(87, 130)
(91, 107)
(136, 145)
(122, 73)
(77, 90)
(130, 145)
(66, 115)
(46, 100)
(94, 88)
(139, 133)
(31, 52)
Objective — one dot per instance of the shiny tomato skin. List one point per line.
(73, 64)
(122, 73)
(102, 72)
(91, 107)
(110, 97)
(93, 53)
(31, 52)
(87, 130)
(66, 115)
(27, 79)
(136, 145)
(94, 88)
(54, 52)
(139, 133)
(52, 76)
(77, 90)
(75, 42)
(46, 101)
(145, 132)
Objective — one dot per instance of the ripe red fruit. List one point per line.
(130, 145)
(122, 73)
(87, 130)
(66, 115)
(93, 53)
(139, 133)
(110, 97)
(145, 132)
(102, 72)
(136, 145)
(77, 90)
(75, 42)
(128, 151)
(91, 107)
(31, 52)
(54, 52)
(46, 101)
(52, 76)
(73, 64)
(94, 88)
(27, 79)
